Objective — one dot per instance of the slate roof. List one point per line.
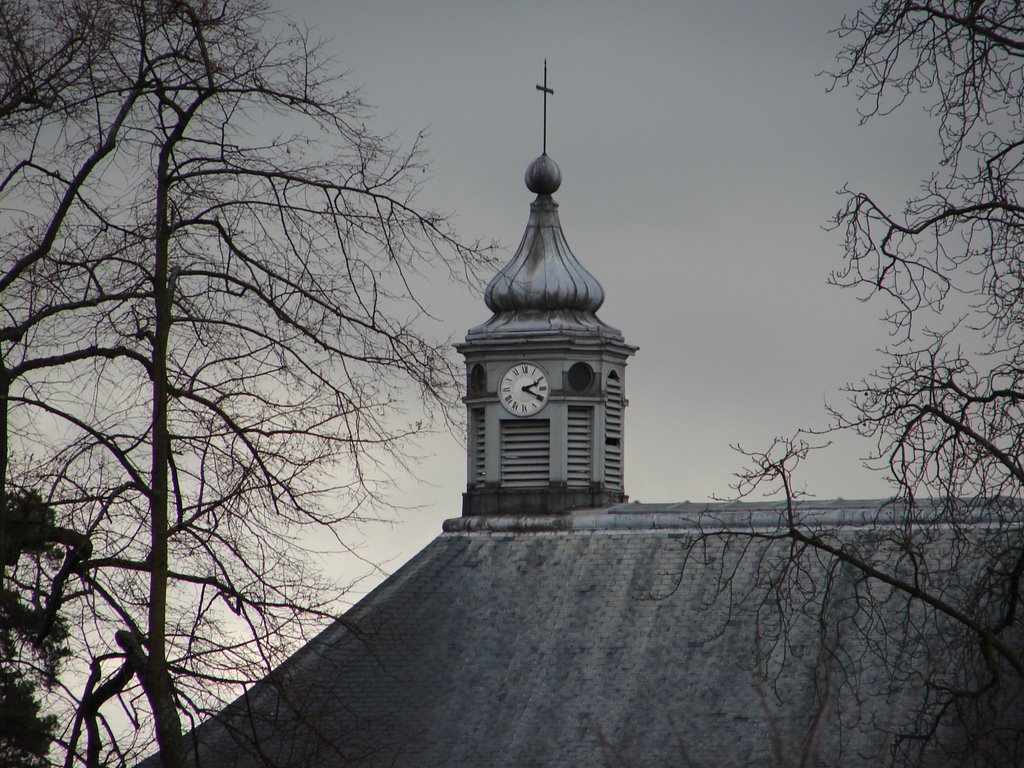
(640, 635)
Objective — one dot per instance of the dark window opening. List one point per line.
(580, 377)
(477, 380)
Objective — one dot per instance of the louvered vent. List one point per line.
(613, 433)
(478, 446)
(581, 429)
(525, 453)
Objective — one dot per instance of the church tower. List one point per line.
(545, 377)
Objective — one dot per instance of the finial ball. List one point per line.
(543, 177)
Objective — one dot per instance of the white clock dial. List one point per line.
(524, 389)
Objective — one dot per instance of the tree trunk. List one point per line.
(158, 680)
(5, 388)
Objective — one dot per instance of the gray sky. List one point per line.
(700, 156)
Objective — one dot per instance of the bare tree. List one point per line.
(937, 572)
(209, 325)
(946, 414)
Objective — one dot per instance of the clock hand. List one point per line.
(529, 388)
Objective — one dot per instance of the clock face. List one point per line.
(524, 389)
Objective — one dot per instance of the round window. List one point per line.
(581, 377)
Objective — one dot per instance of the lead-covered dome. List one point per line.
(543, 275)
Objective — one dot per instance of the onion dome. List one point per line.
(543, 275)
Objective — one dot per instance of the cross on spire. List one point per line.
(545, 90)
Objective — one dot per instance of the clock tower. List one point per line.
(545, 383)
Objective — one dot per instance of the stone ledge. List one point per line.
(765, 517)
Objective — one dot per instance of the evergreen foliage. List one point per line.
(32, 641)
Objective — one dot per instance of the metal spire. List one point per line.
(545, 90)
